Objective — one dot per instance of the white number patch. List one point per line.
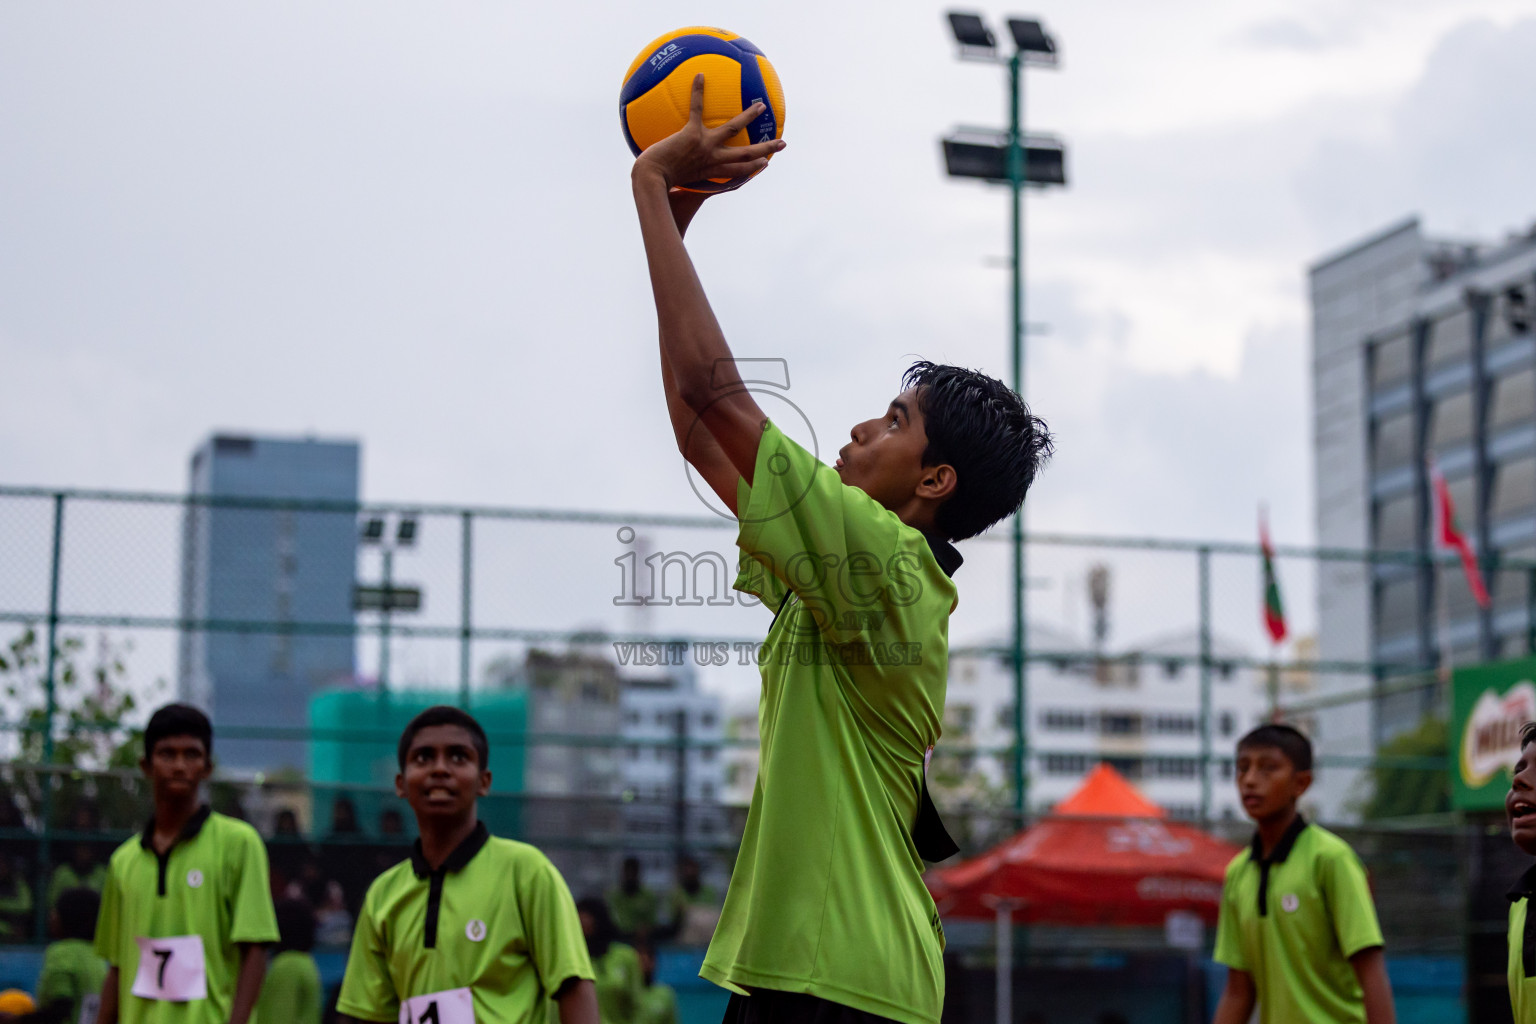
(451, 1006)
(171, 969)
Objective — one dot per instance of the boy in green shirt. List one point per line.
(186, 911)
(69, 985)
(826, 916)
(632, 905)
(658, 1002)
(472, 929)
(292, 993)
(1520, 809)
(1297, 928)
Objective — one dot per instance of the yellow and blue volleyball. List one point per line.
(658, 87)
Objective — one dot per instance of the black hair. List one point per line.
(604, 931)
(77, 910)
(178, 720)
(445, 714)
(1527, 734)
(982, 428)
(1287, 739)
(295, 925)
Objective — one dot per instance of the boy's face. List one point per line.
(177, 767)
(1520, 802)
(1268, 782)
(884, 456)
(442, 777)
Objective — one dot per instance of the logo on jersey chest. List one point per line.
(1290, 903)
(195, 879)
(474, 931)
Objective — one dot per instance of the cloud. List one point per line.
(1284, 34)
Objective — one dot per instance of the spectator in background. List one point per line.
(632, 905)
(333, 921)
(617, 966)
(287, 852)
(81, 871)
(15, 902)
(658, 1003)
(69, 986)
(291, 993)
(392, 824)
(347, 855)
(693, 908)
(393, 846)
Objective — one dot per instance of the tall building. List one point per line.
(673, 772)
(1419, 347)
(247, 573)
(1136, 709)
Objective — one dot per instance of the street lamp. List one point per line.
(1012, 159)
(386, 598)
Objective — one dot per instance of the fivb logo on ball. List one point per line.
(1490, 743)
(666, 55)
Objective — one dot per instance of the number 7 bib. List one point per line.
(171, 969)
(450, 1006)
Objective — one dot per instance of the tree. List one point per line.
(1399, 790)
(90, 730)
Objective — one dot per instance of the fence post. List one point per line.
(51, 708)
(466, 548)
(1530, 610)
(1205, 684)
(680, 808)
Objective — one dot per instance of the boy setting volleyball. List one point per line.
(827, 919)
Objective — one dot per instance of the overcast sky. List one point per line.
(411, 224)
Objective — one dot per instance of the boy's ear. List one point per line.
(1303, 782)
(485, 783)
(938, 482)
(144, 765)
(400, 785)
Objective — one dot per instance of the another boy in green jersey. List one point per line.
(826, 916)
(472, 929)
(69, 985)
(186, 912)
(292, 993)
(632, 905)
(1297, 928)
(658, 1002)
(1520, 808)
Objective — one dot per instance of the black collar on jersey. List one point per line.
(461, 855)
(188, 831)
(1524, 889)
(1278, 855)
(944, 553)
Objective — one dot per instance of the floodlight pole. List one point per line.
(388, 554)
(1016, 178)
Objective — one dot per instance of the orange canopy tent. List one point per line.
(1105, 856)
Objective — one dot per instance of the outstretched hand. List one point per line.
(695, 152)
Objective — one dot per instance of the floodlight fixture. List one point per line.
(1029, 37)
(971, 32)
(979, 153)
(405, 533)
(373, 530)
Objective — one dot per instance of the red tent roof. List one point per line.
(1106, 856)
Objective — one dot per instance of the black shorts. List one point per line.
(766, 1006)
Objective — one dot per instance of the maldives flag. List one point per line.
(1448, 534)
(1274, 611)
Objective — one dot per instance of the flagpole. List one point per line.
(1444, 627)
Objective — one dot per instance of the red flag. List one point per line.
(1448, 534)
(1274, 612)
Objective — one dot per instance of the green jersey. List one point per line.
(632, 911)
(484, 939)
(66, 877)
(658, 1005)
(291, 992)
(620, 981)
(15, 909)
(1293, 921)
(72, 973)
(827, 896)
(1522, 950)
(170, 923)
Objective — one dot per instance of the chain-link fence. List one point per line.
(616, 671)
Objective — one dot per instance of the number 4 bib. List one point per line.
(171, 969)
(451, 1006)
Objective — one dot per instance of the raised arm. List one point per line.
(694, 440)
(703, 375)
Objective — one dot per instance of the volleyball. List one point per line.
(654, 100)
